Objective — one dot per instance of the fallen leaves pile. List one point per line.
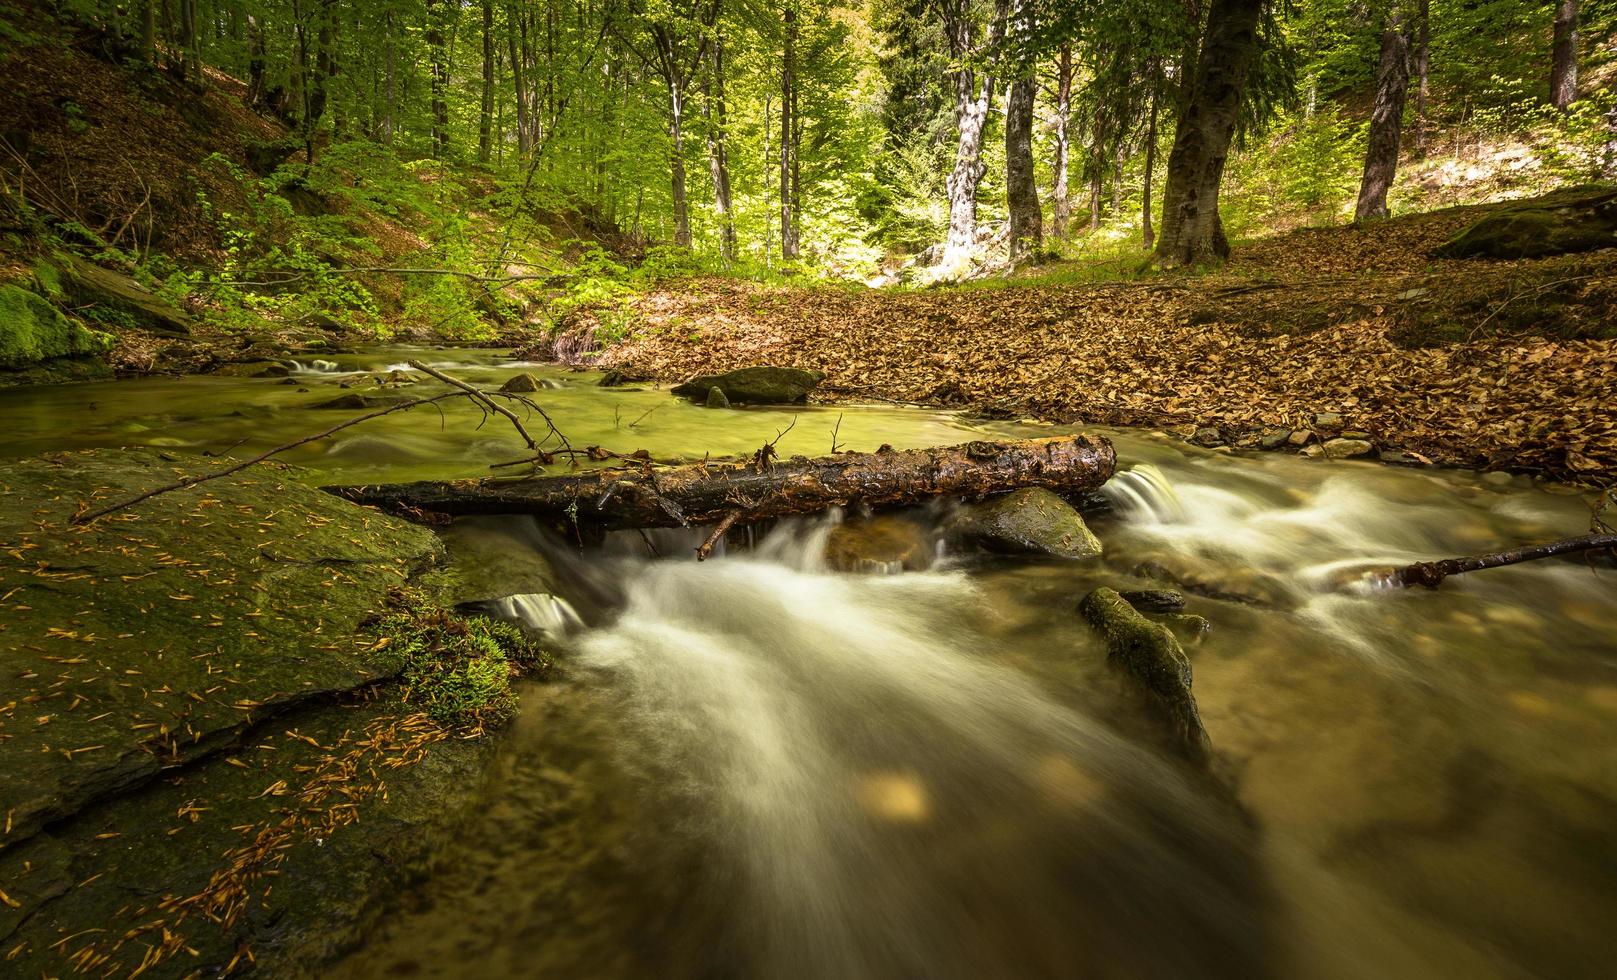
(1131, 354)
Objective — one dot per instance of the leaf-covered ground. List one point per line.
(1481, 363)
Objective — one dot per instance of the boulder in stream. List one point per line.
(1148, 653)
(716, 398)
(878, 544)
(355, 401)
(755, 385)
(521, 383)
(1028, 521)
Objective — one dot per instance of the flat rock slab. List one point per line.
(158, 634)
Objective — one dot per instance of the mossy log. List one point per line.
(708, 493)
(1150, 655)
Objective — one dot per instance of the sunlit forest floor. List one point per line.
(1474, 362)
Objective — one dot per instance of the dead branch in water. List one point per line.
(719, 530)
(484, 400)
(1432, 573)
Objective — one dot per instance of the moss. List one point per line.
(49, 279)
(458, 669)
(32, 330)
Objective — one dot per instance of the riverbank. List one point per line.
(1492, 364)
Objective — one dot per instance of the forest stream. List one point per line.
(765, 766)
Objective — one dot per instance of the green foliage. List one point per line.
(458, 669)
(33, 330)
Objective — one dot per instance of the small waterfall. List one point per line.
(551, 615)
(1143, 493)
(314, 366)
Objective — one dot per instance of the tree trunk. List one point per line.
(148, 31)
(256, 57)
(1061, 203)
(440, 79)
(676, 166)
(706, 493)
(1564, 55)
(971, 104)
(1191, 231)
(788, 112)
(718, 156)
(314, 106)
(1423, 64)
(485, 115)
(1386, 121)
(390, 75)
(1148, 234)
(1026, 220)
(524, 126)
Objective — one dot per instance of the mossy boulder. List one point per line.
(1579, 219)
(115, 297)
(1028, 521)
(33, 330)
(755, 385)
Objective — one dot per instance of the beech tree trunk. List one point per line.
(788, 147)
(676, 166)
(971, 104)
(1564, 55)
(1026, 233)
(485, 114)
(1386, 121)
(707, 493)
(1148, 235)
(718, 155)
(524, 123)
(440, 79)
(1422, 69)
(1061, 203)
(1191, 231)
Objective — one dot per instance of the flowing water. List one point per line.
(762, 767)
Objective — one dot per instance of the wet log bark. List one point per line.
(1432, 573)
(707, 493)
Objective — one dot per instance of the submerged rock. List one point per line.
(878, 544)
(1028, 521)
(521, 384)
(1155, 600)
(358, 400)
(1148, 653)
(716, 398)
(1216, 579)
(755, 385)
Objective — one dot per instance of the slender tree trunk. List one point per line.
(390, 75)
(440, 78)
(1191, 230)
(1061, 204)
(314, 106)
(255, 60)
(676, 167)
(1386, 120)
(1564, 55)
(1148, 235)
(788, 112)
(718, 156)
(485, 116)
(1423, 63)
(148, 31)
(1026, 233)
(524, 128)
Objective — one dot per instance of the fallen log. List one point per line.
(713, 492)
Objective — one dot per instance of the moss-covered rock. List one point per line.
(1028, 521)
(1578, 219)
(458, 669)
(157, 634)
(33, 330)
(755, 385)
(1148, 653)
(116, 297)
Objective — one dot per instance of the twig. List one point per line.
(1546, 287)
(1431, 574)
(643, 415)
(484, 399)
(719, 530)
(766, 452)
(191, 481)
(835, 446)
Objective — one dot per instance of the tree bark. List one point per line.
(971, 104)
(440, 78)
(1423, 64)
(1191, 232)
(1564, 55)
(1148, 234)
(1061, 202)
(788, 146)
(707, 493)
(524, 125)
(676, 165)
(1026, 232)
(1386, 121)
(718, 155)
(485, 115)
